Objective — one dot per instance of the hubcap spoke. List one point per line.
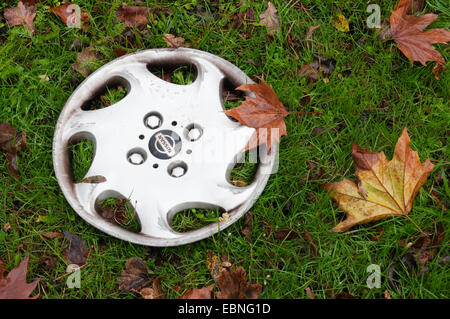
(152, 215)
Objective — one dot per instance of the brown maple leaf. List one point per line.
(233, 285)
(21, 15)
(65, 12)
(12, 143)
(270, 19)
(385, 189)
(15, 286)
(133, 16)
(155, 292)
(264, 112)
(135, 276)
(85, 59)
(202, 293)
(77, 252)
(172, 41)
(416, 44)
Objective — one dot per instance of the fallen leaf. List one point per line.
(214, 265)
(225, 218)
(345, 295)
(264, 112)
(407, 31)
(239, 183)
(155, 292)
(270, 19)
(284, 234)
(310, 293)
(248, 219)
(94, 179)
(15, 286)
(6, 227)
(309, 35)
(385, 189)
(233, 285)
(51, 235)
(425, 247)
(12, 143)
(77, 252)
(120, 52)
(320, 66)
(85, 59)
(311, 73)
(244, 21)
(21, 15)
(416, 6)
(340, 22)
(49, 261)
(67, 11)
(172, 41)
(133, 16)
(29, 2)
(202, 293)
(135, 275)
(312, 245)
(380, 232)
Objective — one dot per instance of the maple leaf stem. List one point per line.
(417, 226)
(317, 112)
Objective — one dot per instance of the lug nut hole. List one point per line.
(137, 156)
(153, 120)
(193, 132)
(177, 169)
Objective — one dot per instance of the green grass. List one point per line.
(373, 93)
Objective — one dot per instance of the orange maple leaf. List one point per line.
(264, 112)
(385, 188)
(407, 31)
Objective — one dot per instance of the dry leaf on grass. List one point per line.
(385, 189)
(214, 265)
(340, 22)
(155, 292)
(174, 42)
(96, 179)
(309, 35)
(51, 235)
(319, 67)
(68, 14)
(135, 276)
(85, 59)
(202, 293)
(416, 44)
(12, 143)
(21, 15)
(270, 19)
(263, 112)
(233, 285)
(15, 286)
(133, 16)
(77, 252)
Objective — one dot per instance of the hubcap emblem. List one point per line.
(165, 144)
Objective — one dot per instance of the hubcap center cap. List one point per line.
(165, 144)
